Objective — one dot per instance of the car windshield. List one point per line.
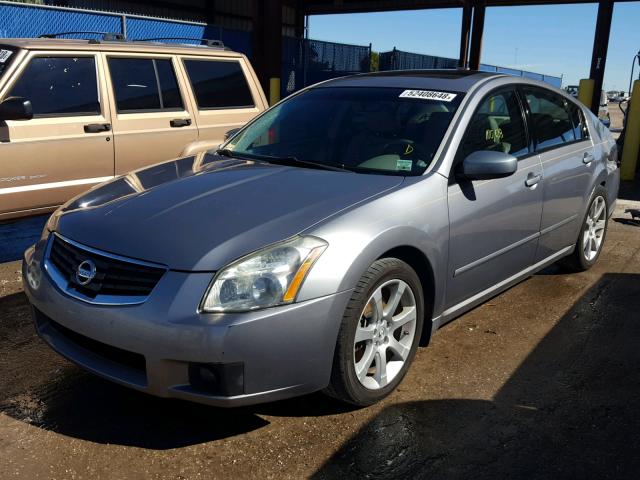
(6, 56)
(371, 130)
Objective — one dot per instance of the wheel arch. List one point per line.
(417, 260)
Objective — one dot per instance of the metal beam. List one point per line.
(320, 7)
(600, 47)
(465, 32)
(476, 35)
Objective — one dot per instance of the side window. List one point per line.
(219, 84)
(496, 125)
(551, 124)
(143, 84)
(59, 86)
(580, 130)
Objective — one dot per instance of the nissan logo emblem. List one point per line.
(85, 272)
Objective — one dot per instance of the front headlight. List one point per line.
(51, 225)
(272, 276)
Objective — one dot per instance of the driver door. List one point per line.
(494, 224)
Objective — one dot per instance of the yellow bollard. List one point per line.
(631, 147)
(585, 91)
(274, 91)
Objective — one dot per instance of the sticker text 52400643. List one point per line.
(428, 95)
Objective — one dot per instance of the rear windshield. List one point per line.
(6, 57)
(370, 130)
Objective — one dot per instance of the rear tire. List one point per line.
(379, 334)
(592, 234)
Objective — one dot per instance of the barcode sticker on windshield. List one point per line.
(4, 55)
(428, 95)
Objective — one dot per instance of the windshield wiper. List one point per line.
(281, 160)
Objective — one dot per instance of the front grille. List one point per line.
(114, 277)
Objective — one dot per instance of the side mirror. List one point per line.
(485, 164)
(16, 108)
(230, 133)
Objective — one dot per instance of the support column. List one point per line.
(600, 46)
(465, 32)
(267, 46)
(476, 35)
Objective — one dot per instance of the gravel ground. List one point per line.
(542, 381)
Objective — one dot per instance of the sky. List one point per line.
(550, 39)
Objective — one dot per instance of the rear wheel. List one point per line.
(379, 334)
(592, 234)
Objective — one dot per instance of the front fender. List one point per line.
(415, 216)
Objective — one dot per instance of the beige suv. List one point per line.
(74, 113)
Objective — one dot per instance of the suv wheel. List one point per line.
(379, 334)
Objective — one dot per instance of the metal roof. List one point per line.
(452, 80)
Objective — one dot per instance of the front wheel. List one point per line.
(592, 234)
(379, 334)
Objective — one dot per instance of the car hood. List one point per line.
(199, 213)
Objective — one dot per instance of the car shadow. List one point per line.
(18, 235)
(571, 410)
(39, 387)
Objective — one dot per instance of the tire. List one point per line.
(584, 258)
(385, 333)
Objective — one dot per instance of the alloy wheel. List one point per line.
(384, 334)
(594, 228)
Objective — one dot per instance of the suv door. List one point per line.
(566, 151)
(494, 224)
(225, 94)
(67, 145)
(152, 119)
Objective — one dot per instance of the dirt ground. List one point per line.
(543, 381)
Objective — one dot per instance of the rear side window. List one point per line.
(550, 119)
(219, 84)
(497, 125)
(144, 84)
(580, 130)
(59, 86)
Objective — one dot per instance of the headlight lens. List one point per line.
(269, 277)
(51, 225)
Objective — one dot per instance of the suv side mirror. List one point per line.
(485, 164)
(230, 133)
(16, 108)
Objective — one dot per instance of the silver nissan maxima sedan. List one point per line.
(321, 244)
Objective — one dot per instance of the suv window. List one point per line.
(496, 125)
(142, 84)
(6, 56)
(550, 120)
(59, 86)
(580, 130)
(219, 84)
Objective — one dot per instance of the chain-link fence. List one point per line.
(399, 60)
(305, 62)
(19, 20)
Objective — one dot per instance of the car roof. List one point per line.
(115, 46)
(457, 80)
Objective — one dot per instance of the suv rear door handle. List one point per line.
(532, 179)
(180, 122)
(588, 157)
(97, 127)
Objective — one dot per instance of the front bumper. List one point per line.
(278, 352)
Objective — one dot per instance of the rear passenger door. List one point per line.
(66, 147)
(566, 151)
(225, 94)
(152, 119)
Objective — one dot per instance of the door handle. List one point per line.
(532, 179)
(587, 158)
(97, 127)
(180, 122)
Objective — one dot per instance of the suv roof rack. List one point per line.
(106, 36)
(203, 41)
